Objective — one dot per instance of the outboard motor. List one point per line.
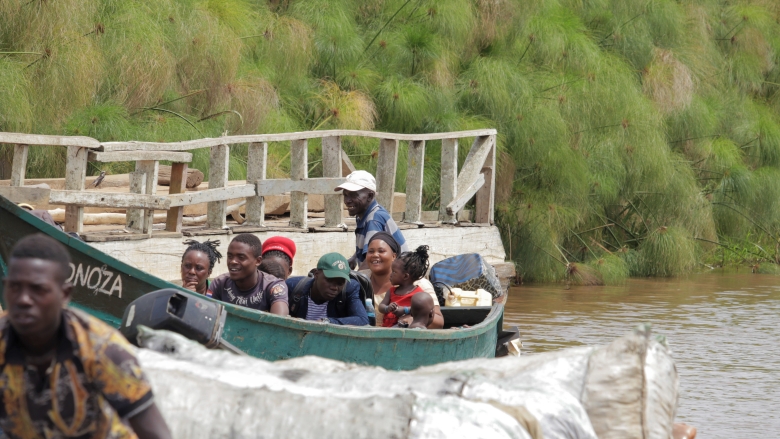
(190, 315)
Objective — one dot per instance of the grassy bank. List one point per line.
(636, 137)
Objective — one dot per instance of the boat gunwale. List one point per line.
(375, 332)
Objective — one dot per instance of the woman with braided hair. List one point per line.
(196, 264)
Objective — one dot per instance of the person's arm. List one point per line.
(279, 297)
(149, 424)
(385, 304)
(355, 309)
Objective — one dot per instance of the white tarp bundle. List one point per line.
(627, 389)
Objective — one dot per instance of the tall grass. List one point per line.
(635, 137)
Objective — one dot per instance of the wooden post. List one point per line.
(150, 168)
(449, 179)
(485, 198)
(218, 178)
(255, 170)
(75, 174)
(414, 181)
(385, 173)
(299, 170)
(331, 167)
(178, 185)
(134, 218)
(19, 167)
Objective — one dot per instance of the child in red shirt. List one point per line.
(408, 268)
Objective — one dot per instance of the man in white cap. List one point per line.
(360, 199)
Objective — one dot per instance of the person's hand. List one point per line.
(191, 286)
(391, 308)
(325, 320)
(405, 320)
(352, 262)
(399, 311)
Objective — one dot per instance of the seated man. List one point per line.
(360, 199)
(244, 284)
(64, 372)
(324, 296)
(280, 250)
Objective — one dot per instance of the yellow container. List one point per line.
(458, 297)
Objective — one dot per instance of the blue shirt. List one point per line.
(349, 312)
(376, 219)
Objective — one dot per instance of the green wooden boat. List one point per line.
(104, 286)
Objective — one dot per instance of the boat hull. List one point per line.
(104, 286)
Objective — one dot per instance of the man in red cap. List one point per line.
(278, 254)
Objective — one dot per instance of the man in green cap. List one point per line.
(328, 294)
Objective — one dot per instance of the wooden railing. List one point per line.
(476, 176)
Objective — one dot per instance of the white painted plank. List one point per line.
(256, 170)
(132, 156)
(162, 256)
(331, 167)
(75, 174)
(19, 165)
(299, 171)
(385, 172)
(41, 139)
(25, 194)
(107, 199)
(212, 195)
(218, 178)
(282, 137)
(485, 200)
(449, 178)
(463, 197)
(472, 166)
(322, 186)
(135, 217)
(414, 181)
(257, 160)
(151, 169)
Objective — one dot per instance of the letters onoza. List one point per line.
(96, 279)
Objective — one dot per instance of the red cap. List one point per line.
(284, 245)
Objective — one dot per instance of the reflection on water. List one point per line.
(722, 329)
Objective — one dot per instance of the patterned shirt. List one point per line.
(267, 291)
(316, 312)
(376, 219)
(93, 383)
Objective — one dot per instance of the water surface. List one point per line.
(722, 329)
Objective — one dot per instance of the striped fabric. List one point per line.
(316, 312)
(469, 272)
(377, 219)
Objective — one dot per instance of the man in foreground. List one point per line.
(64, 373)
(244, 284)
(360, 199)
(324, 298)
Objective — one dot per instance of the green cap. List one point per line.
(334, 265)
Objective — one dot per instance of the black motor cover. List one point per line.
(188, 314)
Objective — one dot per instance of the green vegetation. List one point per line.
(637, 137)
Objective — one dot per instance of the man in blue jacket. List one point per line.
(323, 296)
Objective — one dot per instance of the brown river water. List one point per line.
(722, 329)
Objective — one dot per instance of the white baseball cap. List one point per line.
(358, 180)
